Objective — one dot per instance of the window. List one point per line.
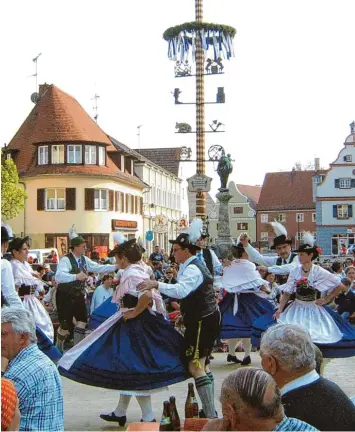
(237, 210)
(43, 155)
(90, 155)
(264, 236)
(102, 156)
(57, 154)
(299, 217)
(347, 158)
(264, 218)
(74, 154)
(345, 183)
(281, 217)
(242, 226)
(55, 199)
(314, 217)
(101, 199)
(130, 203)
(299, 236)
(343, 211)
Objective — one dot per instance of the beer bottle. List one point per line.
(175, 419)
(191, 405)
(165, 422)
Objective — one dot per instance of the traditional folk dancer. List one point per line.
(70, 297)
(208, 257)
(280, 265)
(10, 298)
(243, 303)
(136, 350)
(199, 312)
(332, 334)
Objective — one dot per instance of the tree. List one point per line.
(309, 166)
(12, 195)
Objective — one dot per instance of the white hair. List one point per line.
(21, 320)
(291, 345)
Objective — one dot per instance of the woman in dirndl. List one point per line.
(244, 302)
(136, 350)
(314, 287)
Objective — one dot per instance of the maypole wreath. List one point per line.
(182, 39)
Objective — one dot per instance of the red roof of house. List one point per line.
(59, 118)
(251, 192)
(287, 191)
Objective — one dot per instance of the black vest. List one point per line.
(200, 302)
(75, 270)
(282, 279)
(207, 256)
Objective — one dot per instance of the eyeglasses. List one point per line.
(175, 250)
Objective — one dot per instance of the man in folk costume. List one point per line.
(207, 256)
(70, 298)
(281, 265)
(199, 311)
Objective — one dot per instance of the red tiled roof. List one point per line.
(59, 118)
(167, 158)
(287, 191)
(252, 192)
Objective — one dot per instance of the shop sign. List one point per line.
(121, 224)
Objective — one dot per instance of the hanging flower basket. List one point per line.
(182, 40)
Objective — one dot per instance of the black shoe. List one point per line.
(113, 418)
(233, 359)
(150, 421)
(211, 357)
(246, 361)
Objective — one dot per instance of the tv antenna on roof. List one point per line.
(139, 136)
(35, 95)
(95, 108)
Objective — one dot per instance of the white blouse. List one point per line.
(318, 278)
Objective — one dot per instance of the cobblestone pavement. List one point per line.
(83, 404)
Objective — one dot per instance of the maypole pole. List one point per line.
(200, 114)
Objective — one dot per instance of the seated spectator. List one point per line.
(10, 414)
(346, 302)
(337, 269)
(102, 292)
(48, 274)
(91, 281)
(35, 376)
(251, 401)
(157, 270)
(350, 274)
(53, 257)
(287, 353)
(95, 256)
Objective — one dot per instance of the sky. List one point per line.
(289, 89)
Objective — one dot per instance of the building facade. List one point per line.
(73, 174)
(286, 197)
(242, 217)
(335, 200)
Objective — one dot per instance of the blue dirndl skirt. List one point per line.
(250, 307)
(139, 354)
(102, 313)
(47, 346)
(345, 347)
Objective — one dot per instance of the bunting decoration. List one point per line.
(213, 37)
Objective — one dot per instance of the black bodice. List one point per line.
(26, 290)
(307, 294)
(129, 301)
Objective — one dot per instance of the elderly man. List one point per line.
(251, 401)
(282, 264)
(287, 353)
(36, 378)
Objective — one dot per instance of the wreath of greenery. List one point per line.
(173, 32)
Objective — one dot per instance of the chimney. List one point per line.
(316, 164)
(42, 89)
(352, 127)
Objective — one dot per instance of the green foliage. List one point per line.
(173, 32)
(12, 194)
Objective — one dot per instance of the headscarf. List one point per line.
(8, 402)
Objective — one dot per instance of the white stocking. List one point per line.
(247, 347)
(122, 406)
(232, 345)
(145, 402)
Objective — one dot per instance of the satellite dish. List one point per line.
(35, 97)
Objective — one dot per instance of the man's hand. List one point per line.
(226, 262)
(277, 315)
(147, 285)
(81, 276)
(244, 239)
(129, 315)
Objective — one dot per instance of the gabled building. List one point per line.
(335, 200)
(251, 192)
(73, 174)
(288, 198)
